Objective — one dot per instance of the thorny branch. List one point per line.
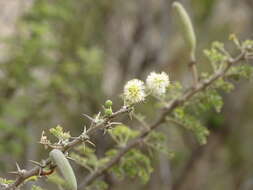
(170, 107)
(38, 170)
(22, 175)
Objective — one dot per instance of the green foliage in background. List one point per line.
(55, 62)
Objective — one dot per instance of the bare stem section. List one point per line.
(194, 71)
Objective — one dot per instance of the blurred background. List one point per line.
(62, 58)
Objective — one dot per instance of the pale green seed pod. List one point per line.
(186, 28)
(65, 168)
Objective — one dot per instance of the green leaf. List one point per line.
(122, 134)
(59, 133)
(192, 124)
(35, 187)
(133, 164)
(157, 143)
(98, 185)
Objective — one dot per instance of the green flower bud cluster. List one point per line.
(59, 133)
(108, 108)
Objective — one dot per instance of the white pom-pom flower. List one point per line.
(157, 83)
(134, 91)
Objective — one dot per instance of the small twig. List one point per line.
(194, 71)
(142, 122)
(89, 117)
(176, 122)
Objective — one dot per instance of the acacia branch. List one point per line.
(38, 170)
(202, 85)
(23, 175)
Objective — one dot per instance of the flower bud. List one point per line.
(108, 103)
(108, 111)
